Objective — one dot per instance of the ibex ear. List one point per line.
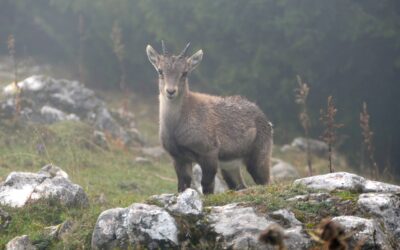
(153, 56)
(195, 59)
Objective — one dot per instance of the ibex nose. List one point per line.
(171, 91)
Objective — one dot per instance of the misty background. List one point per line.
(349, 49)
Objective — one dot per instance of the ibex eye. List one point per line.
(184, 74)
(160, 71)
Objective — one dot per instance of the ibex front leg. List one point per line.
(209, 167)
(184, 173)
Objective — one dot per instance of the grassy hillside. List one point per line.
(110, 176)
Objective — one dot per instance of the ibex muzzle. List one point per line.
(206, 129)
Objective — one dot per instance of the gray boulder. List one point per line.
(50, 182)
(381, 187)
(239, 227)
(286, 218)
(316, 147)
(20, 243)
(51, 171)
(333, 181)
(366, 232)
(138, 225)
(58, 231)
(283, 171)
(186, 203)
(385, 207)
(345, 181)
(153, 225)
(110, 232)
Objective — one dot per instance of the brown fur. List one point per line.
(201, 128)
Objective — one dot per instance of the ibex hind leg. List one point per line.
(233, 177)
(258, 163)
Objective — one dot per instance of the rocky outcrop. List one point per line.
(50, 182)
(345, 181)
(47, 100)
(369, 218)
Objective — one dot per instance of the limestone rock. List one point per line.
(286, 217)
(316, 147)
(20, 243)
(238, 227)
(51, 171)
(364, 230)
(284, 171)
(152, 226)
(58, 231)
(110, 231)
(185, 203)
(383, 206)
(138, 225)
(52, 115)
(333, 181)
(50, 182)
(376, 186)
(345, 181)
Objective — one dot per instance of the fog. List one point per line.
(349, 50)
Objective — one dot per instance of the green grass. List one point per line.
(264, 198)
(111, 173)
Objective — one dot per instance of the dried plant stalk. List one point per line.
(12, 52)
(368, 139)
(329, 135)
(301, 99)
(119, 51)
(81, 30)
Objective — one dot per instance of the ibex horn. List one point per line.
(164, 50)
(183, 53)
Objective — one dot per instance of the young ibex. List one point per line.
(201, 128)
